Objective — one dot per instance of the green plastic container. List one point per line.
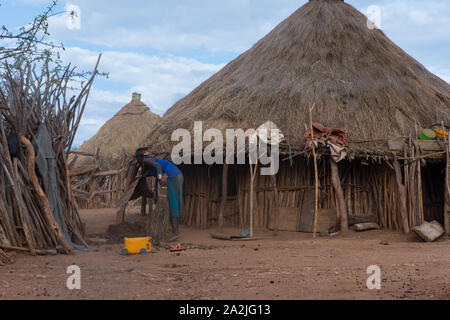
(427, 134)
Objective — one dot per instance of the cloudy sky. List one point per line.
(166, 48)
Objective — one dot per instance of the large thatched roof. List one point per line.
(121, 135)
(325, 54)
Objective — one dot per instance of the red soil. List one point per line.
(290, 266)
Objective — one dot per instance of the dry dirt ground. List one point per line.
(290, 266)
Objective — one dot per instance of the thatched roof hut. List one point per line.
(120, 136)
(360, 82)
(98, 167)
(324, 53)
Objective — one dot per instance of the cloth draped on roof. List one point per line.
(334, 139)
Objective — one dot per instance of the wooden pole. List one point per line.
(277, 203)
(316, 173)
(447, 185)
(419, 183)
(132, 171)
(224, 195)
(402, 197)
(239, 198)
(412, 185)
(252, 181)
(406, 181)
(342, 208)
(143, 206)
(447, 197)
(420, 193)
(150, 206)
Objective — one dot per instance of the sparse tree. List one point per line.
(32, 42)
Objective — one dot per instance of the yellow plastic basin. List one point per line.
(138, 245)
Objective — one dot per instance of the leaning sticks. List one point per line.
(39, 117)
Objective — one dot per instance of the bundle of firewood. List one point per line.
(39, 118)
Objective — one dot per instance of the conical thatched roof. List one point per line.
(325, 54)
(121, 135)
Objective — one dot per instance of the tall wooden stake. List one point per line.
(406, 183)
(252, 181)
(342, 208)
(132, 171)
(447, 185)
(150, 206)
(447, 196)
(419, 182)
(224, 195)
(277, 203)
(144, 206)
(316, 172)
(402, 196)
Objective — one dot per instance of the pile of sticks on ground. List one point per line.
(38, 120)
(93, 186)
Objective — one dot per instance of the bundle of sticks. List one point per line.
(39, 117)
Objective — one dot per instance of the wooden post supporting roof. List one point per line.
(402, 197)
(316, 171)
(447, 190)
(342, 208)
(132, 171)
(143, 206)
(447, 199)
(277, 203)
(224, 195)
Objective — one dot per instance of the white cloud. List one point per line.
(231, 25)
(416, 21)
(161, 80)
(92, 122)
(108, 96)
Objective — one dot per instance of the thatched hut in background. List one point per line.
(360, 82)
(97, 167)
(119, 137)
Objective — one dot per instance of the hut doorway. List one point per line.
(433, 187)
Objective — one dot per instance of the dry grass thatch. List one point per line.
(359, 80)
(120, 136)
